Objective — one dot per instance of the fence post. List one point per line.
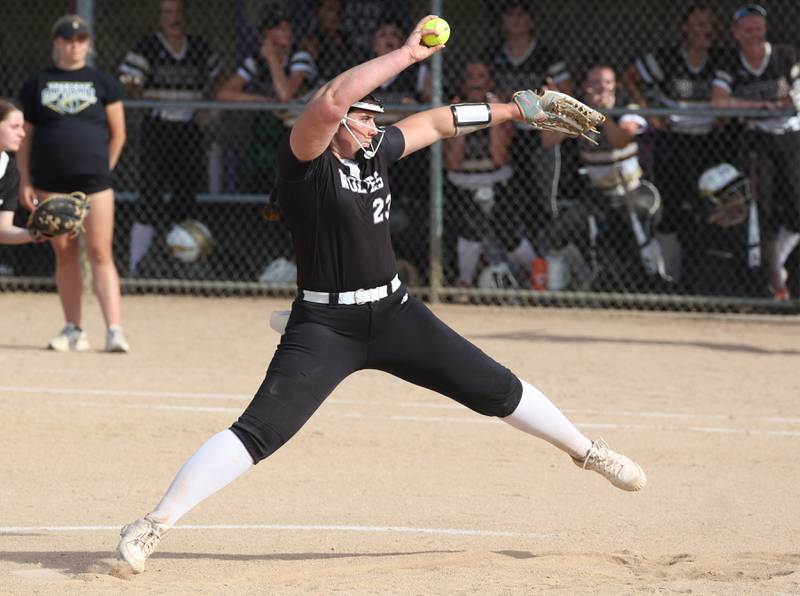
(85, 9)
(436, 187)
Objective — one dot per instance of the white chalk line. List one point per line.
(287, 527)
(124, 393)
(467, 419)
(189, 395)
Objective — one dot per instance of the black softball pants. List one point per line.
(323, 344)
(774, 169)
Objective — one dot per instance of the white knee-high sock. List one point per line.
(220, 461)
(538, 416)
(141, 238)
(469, 253)
(523, 254)
(785, 243)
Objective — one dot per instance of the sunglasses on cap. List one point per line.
(749, 10)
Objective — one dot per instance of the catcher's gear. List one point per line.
(728, 202)
(189, 241)
(58, 215)
(727, 191)
(551, 110)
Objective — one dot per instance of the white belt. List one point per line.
(357, 297)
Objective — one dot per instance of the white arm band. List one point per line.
(469, 117)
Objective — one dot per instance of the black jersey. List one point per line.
(170, 75)
(68, 110)
(775, 78)
(529, 72)
(338, 213)
(333, 55)
(255, 71)
(361, 19)
(532, 71)
(670, 81)
(609, 169)
(409, 84)
(9, 182)
(477, 168)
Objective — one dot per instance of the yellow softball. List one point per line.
(442, 34)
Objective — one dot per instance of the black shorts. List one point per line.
(323, 344)
(85, 184)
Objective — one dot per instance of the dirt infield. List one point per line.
(391, 489)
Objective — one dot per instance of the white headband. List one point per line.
(370, 107)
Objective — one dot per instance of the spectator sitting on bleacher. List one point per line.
(480, 202)
(173, 66)
(274, 73)
(328, 43)
(679, 77)
(625, 207)
(521, 61)
(363, 17)
(410, 86)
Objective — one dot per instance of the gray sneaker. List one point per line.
(137, 541)
(115, 341)
(619, 470)
(71, 338)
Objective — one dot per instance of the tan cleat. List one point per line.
(116, 342)
(138, 541)
(71, 338)
(620, 471)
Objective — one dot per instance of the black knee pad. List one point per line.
(500, 403)
(505, 403)
(259, 439)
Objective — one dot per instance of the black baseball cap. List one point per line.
(274, 18)
(749, 10)
(70, 26)
(523, 4)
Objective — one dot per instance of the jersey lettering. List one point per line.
(369, 184)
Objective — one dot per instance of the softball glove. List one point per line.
(551, 110)
(58, 215)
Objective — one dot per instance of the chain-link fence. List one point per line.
(648, 215)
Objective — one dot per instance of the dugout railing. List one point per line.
(253, 226)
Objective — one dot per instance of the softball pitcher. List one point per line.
(351, 311)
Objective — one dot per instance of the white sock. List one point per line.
(141, 238)
(523, 254)
(220, 461)
(469, 253)
(785, 243)
(536, 415)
